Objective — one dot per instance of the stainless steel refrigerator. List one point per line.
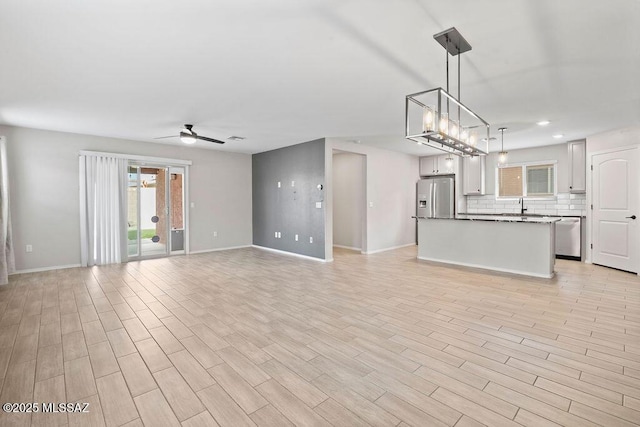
(436, 197)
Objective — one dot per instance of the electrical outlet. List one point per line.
(296, 237)
(215, 234)
(293, 183)
(318, 205)
(310, 239)
(370, 204)
(276, 233)
(29, 248)
(279, 184)
(279, 235)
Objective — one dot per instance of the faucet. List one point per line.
(522, 208)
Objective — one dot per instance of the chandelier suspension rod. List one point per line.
(446, 55)
(459, 97)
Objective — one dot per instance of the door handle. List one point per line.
(632, 217)
(435, 206)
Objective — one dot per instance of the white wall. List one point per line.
(43, 173)
(391, 189)
(615, 139)
(349, 191)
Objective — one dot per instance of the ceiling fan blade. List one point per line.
(204, 138)
(164, 137)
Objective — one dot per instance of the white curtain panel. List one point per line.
(103, 207)
(7, 261)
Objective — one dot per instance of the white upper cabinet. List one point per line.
(577, 166)
(473, 175)
(438, 165)
(447, 166)
(428, 165)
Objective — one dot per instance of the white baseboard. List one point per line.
(388, 249)
(40, 269)
(218, 249)
(351, 248)
(502, 270)
(291, 254)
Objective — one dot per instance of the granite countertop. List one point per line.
(503, 218)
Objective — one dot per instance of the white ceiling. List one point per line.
(281, 72)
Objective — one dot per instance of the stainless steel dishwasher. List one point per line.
(568, 239)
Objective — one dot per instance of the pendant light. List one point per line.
(502, 155)
(438, 119)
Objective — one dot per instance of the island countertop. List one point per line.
(502, 218)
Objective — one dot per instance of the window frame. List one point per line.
(524, 165)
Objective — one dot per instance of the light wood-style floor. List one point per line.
(247, 337)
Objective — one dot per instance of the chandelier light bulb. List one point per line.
(428, 120)
(444, 123)
(453, 129)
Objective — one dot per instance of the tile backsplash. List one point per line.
(565, 204)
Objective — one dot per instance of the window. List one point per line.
(527, 180)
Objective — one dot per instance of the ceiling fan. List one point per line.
(188, 136)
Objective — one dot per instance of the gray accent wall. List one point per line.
(290, 209)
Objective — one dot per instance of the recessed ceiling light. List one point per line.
(558, 135)
(543, 122)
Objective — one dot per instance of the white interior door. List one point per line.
(615, 229)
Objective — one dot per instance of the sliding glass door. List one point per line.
(155, 206)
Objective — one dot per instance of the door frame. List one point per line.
(363, 220)
(590, 226)
(162, 161)
(167, 231)
(328, 201)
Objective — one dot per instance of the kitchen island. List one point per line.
(511, 244)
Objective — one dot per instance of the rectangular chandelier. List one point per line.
(438, 119)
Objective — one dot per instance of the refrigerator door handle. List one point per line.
(430, 199)
(435, 208)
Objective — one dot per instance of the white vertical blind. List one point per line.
(102, 209)
(7, 261)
